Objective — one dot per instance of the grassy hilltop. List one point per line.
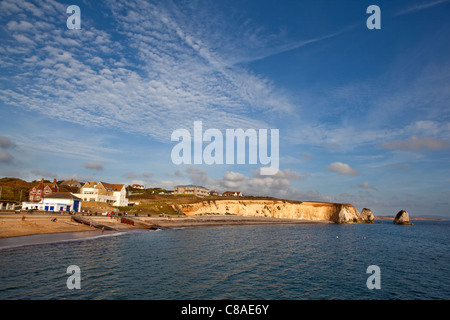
(156, 204)
(11, 188)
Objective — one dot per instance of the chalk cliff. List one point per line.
(318, 211)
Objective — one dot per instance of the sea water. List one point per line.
(274, 262)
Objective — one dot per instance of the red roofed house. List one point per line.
(42, 189)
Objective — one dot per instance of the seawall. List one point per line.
(315, 211)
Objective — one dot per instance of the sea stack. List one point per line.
(402, 217)
(346, 213)
(367, 216)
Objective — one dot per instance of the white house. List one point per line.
(59, 201)
(112, 194)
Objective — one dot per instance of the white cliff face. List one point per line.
(318, 211)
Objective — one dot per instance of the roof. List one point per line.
(42, 184)
(62, 195)
(108, 186)
(112, 187)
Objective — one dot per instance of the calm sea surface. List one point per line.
(310, 261)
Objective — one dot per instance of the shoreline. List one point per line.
(222, 220)
(25, 224)
(38, 229)
(19, 225)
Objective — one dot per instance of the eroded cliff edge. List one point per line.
(317, 211)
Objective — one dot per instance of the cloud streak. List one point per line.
(416, 143)
(421, 6)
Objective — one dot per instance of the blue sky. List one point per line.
(363, 115)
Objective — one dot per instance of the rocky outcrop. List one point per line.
(402, 217)
(316, 211)
(346, 214)
(367, 215)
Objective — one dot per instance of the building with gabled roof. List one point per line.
(42, 189)
(112, 194)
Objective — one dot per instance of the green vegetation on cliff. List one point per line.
(156, 204)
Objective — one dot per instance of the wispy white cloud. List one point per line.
(395, 104)
(417, 143)
(286, 47)
(167, 77)
(63, 145)
(366, 185)
(277, 185)
(400, 166)
(420, 6)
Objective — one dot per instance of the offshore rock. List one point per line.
(367, 215)
(402, 217)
